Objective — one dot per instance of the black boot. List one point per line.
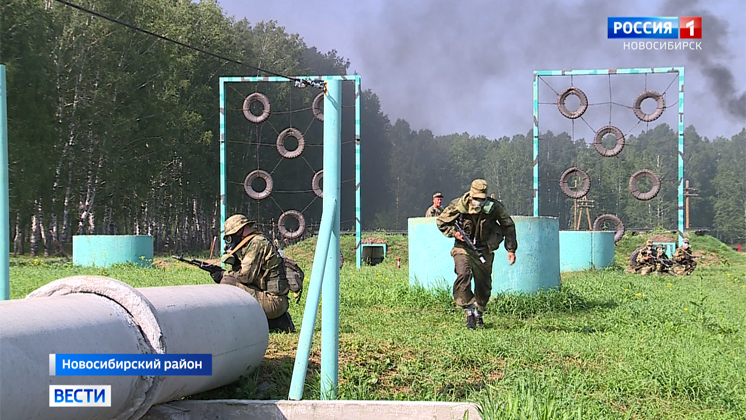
(283, 323)
(471, 321)
(479, 319)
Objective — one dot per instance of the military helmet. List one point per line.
(648, 243)
(235, 223)
(686, 240)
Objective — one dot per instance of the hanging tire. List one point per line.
(251, 192)
(565, 187)
(290, 132)
(561, 103)
(284, 217)
(609, 129)
(256, 97)
(316, 107)
(644, 173)
(660, 106)
(316, 184)
(600, 220)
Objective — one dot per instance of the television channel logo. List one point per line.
(80, 395)
(655, 27)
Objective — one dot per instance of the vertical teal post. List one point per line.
(681, 155)
(358, 227)
(330, 288)
(223, 186)
(536, 144)
(4, 195)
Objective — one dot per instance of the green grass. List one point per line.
(607, 345)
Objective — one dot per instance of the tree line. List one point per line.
(112, 131)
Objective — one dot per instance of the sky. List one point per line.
(467, 66)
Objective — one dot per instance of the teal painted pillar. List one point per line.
(358, 226)
(223, 182)
(536, 145)
(312, 301)
(330, 288)
(681, 157)
(4, 195)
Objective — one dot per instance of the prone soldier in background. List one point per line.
(645, 258)
(684, 261)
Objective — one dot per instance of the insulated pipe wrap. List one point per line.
(92, 314)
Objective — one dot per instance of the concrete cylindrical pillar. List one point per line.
(583, 250)
(92, 314)
(536, 266)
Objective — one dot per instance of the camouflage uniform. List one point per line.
(662, 263)
(682, 257)
(434, 211)
(255, 268)
(644, 260)
(486, 227)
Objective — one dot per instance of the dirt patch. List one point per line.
(663, 238)
(374, 240)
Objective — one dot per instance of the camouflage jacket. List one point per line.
(486, 230)
(256, 263)
(681, 254)
(433, 211)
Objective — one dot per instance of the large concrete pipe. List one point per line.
(99, 315)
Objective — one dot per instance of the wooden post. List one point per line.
(686, 185)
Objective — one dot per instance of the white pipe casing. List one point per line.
(100, 315)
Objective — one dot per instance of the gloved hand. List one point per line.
(229, 279)
(217, 276)
(511, 258)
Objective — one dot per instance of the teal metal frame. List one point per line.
(255, 79)
(325, 272)
(654, 70)
(4, 193)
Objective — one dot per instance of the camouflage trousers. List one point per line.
(274, 306)
(466, 265)
(646, 269)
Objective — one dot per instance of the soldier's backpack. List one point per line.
(294, 275)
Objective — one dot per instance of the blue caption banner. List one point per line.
(130, 364)
(643, 27)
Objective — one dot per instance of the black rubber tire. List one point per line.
(256, 97)
(644, 173)
(316, 184)
(633, 258)
(281, 143)
(600, 220)
(301, 224)
(561, 105)
(565, 187)
(316, 107)
(609, 129)
(251, 192)
(660, 106)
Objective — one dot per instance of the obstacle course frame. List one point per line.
(605, 72)
(223, 155)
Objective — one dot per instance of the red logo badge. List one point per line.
(690, 28)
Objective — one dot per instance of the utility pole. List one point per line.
(687, 194)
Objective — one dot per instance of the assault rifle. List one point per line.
(665, 261)
(210, 268)
(469, 243)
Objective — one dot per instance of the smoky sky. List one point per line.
(467, 66)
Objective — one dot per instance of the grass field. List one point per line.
(607, 345)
